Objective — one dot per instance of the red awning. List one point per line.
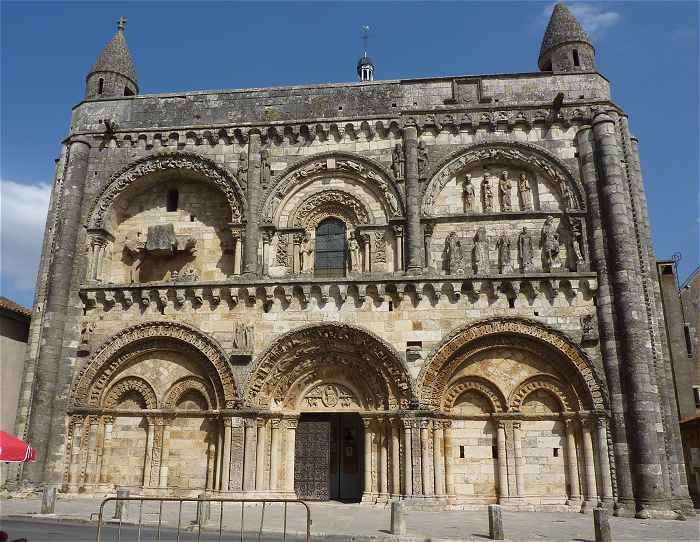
(13, 450)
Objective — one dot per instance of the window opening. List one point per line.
(555, 452)
(494, 452)
(511, 302)
(171, 204)
(461, 452)
(331, 248)
(100, 86)
(128, 91)
(576, 59)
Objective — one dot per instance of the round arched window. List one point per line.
(331, 248)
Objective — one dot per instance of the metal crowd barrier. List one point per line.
(158, 529)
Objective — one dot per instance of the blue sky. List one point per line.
(649, 51)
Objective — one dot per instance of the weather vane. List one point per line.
(365, 36)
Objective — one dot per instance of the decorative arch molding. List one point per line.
(330, 351)
(466, 340)
(474, 383)
(340, 164)
(213, 173)
(527, 155)
(131, 384)
(337, 203)
(141, 338)
(553, 385)
(185, 385)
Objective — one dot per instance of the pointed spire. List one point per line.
(115, 57)
(563, 29)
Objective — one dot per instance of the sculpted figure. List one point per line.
(504, 261)
(243, 167)
(398, 161)
(577, 239)
(504, 188)
(525, 250)
(550, 245)
(423, 160)
(307, 253)
(480, 256)
(525, 192)
(567, 195)
(265, 171)
(468, 194)
(487, 194)
(455, 255)
(354, 249)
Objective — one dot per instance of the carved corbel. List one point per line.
(215, 296)
(233, 295)
(198, 296)
(361, 292)
(306, 293)
(127, 299)
(325, 291)
(145, 298)
(457, 290)
(288, 292)
(162, 298)
(179, 297)
(88, 299)
(109, 298)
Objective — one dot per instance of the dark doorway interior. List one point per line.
(329, 456)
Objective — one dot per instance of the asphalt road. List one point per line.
(44, 531)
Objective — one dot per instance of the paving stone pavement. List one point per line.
(333, 519)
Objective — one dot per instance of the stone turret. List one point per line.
(565, 47)
(365, 68)
(113, 73)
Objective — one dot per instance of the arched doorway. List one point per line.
(331, 249)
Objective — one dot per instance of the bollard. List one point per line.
(602, 525)
(495, 522)
(121, 509)
(203, 510)
(48, 500)
(398, 519)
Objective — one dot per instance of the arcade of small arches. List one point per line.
(503, 410)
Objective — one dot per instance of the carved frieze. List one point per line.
(331, 396)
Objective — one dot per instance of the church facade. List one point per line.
(441, 290)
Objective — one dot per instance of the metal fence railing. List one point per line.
(161, 519)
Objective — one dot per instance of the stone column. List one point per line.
(428, 487)
(395, 459)
(367, 491)
(572, 458)
(367, 257)
(501, 461)
(260, 456)
(407, 458)
(226, 474)
(250, 249)
(211, 464)
(635, 340)
(518, 454)
(428, 242)
(383, 442)
(589, 465)
(50, 393)
(439, 459)
(413, 233)
(267, 240)
(249, 451)
(149, 453)
(78, 423)
(604, 460)
(164, 454)
(291, 424)
(236, 235)
(296, 253)
(449, 460)
(275, 454)
(157, 456)
(398, 252)
(606, 324)
(216, 424)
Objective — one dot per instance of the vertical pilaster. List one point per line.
(250, 248)
(398, 248)
(267, 241)
(589, 465)
(502, 466)
(211, 465)
(260, 455)
(572, 458)
(407, 458)
(275, 454)
(449, 460)
(395, 458)
(413, 247)
(226, 474)
(606, 493)
(439, 458)
(237, 454)
(236, 236)
(164, 454)
(249, 451)
(150, 434)
(428, 486)
(518, 454)
(383, 443)
(289, 459)
(367, 491)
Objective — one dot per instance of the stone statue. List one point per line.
(423, 160)
(504, 188)
(265, 172)
(454, 255)
(307, 253)
(398, 161)
(577, 241)
(480, 255)
(354, 249)
(525, 251)
(504, 261)
(487, 193)
(525, 192)
(567, 195)
(550, 245)
(243, 167)
(468, 194)
(243, 337)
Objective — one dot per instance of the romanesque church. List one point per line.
(440, 290)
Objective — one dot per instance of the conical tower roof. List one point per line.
(115, 57)
(562, 28)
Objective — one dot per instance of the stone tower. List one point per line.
(113, 73)
(565, 47)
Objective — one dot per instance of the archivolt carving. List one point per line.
(126, 385)
(530, 156)
(481, 385)
(140, 338)
(184, 385)
(319, 352)
(215, 174)
(341, 165)
(515, 332)
(542, 382)
(329, 203)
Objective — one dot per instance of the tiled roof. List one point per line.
(8, 304)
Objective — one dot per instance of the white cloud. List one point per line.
(23, 209)
(594, 18)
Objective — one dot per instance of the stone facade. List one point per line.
(242, 280)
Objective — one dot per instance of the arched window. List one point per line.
(100, 86)
(577, 62)
(171, 204)
(330, 248)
